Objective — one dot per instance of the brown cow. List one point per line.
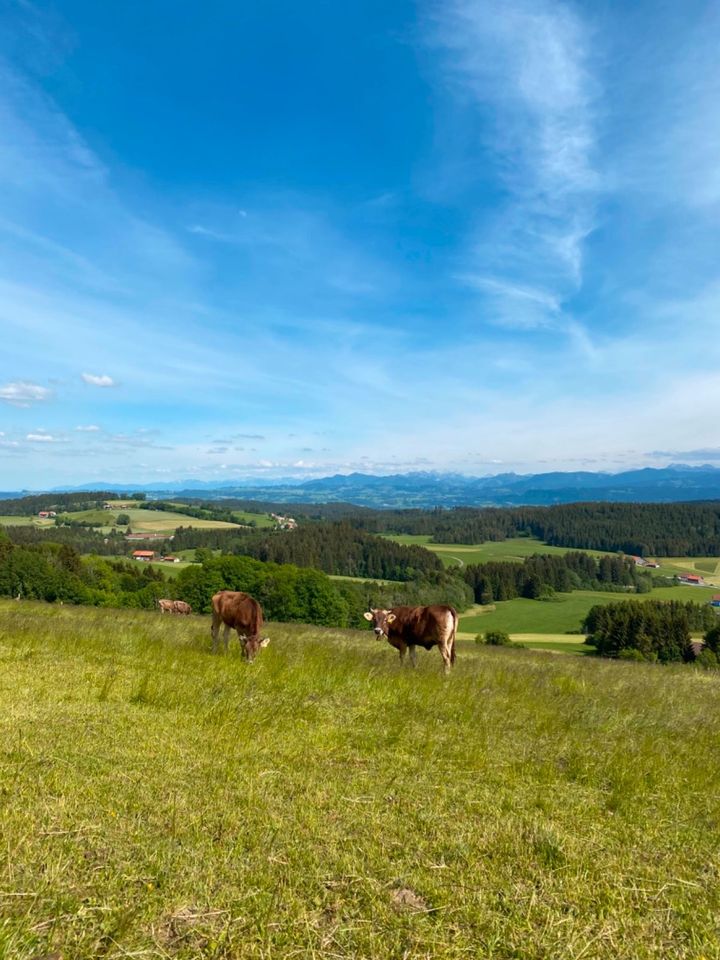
(411, 627)
(174, 606)
(238, 611)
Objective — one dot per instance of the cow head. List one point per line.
(381, 620)
(253, 645)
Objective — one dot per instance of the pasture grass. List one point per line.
(12, 521)
(461, 554)
(243, 517)
(558, 642)
(518, 548)
(150, 521)
(161, 802)
(259, 519)
(171, 570)
(565, 612)
(707, 567)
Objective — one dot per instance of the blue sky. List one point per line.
(282, 239)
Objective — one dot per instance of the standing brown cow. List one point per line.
(411, 627)
(238, 611)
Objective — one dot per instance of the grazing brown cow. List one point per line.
(174, 606)
(238, 611)
(411, 627)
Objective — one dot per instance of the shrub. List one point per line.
(708, 660)
(631, 653)
(495, 638)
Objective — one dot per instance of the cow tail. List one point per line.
(452, 639)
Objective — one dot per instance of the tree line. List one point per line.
(83, 539)
(642, 529)
(57, 572)
(653, 630)
(59, 502)
(335, 548)
(543, 575)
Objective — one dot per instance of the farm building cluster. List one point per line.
(284, 523)
(148, 555)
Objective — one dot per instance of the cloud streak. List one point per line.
(523, 66)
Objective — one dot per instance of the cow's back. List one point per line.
(238, 610)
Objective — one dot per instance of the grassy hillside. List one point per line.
(161, 802)
(12, 521)
(148, 521)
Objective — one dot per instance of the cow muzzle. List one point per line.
(379, 633)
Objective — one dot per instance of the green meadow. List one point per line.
(258, 519)
(11, 521)
(159, 801)
(565, 612)
(454, 554)
(148, 521)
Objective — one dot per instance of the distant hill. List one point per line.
(649, 485)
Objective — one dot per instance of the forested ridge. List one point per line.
(60, 502)
(545, 574)
(335, 548)
(644, 529)
(81, 538)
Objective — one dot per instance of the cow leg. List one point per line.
(413, 655)
(226, 637)
(402, 651)
(446, 654)
(214, 630)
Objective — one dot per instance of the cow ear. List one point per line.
(368, 615)
(391, 617)
(264, 642)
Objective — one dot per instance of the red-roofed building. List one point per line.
(694, 579)
(145, 555)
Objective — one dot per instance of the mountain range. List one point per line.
(676, 482)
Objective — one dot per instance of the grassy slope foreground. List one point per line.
(156, 801)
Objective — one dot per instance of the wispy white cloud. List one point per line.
(522, 69)
(98, 380)
(22, 393)
(88, 428)
(44, 437)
